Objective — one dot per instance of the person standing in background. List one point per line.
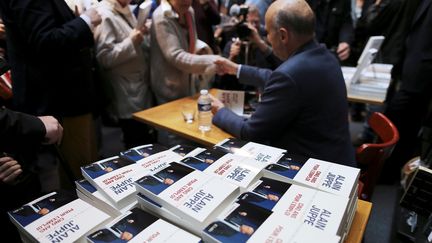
(174, 44)
(206, 15)
(334, 25)
(49, 51)
(119, 51)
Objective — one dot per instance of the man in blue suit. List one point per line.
(304, 106)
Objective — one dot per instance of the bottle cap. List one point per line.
(204, 92)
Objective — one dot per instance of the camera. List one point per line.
(242, 30)
(241, 12)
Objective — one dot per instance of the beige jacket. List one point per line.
(171, 64)
(124, 64)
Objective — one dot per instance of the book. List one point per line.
(151, 157)
(188, 193)
(151, 206)
(244, 222)
(140, 226)
(319, 174)
(239, 170)
(183, 150)
(243, 103)
(259, 152)
(140, 152)
(298, 204)
(88, 193)
(143, 13)
(114, 177)
(237, 223)
(57, 217)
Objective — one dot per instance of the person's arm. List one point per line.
(38, 25)
(22, 130)
(174, 53)
(346, 33)
(111, 52)
(279, 105)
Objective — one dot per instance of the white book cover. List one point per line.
(189, 193)
(239, 170)
(151, 158)
(245, 222)
(99, 199)
(299, 204)
(259, 152)
(151, 206)
(114, 177)
(140, 226)
(57, 217)
(274, 229)
(232, 99)
(243, 103)
(143, 13)
(138, 153)
(322, 175)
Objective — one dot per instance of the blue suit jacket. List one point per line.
(303, 109)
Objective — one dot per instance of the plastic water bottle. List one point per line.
(204, 111)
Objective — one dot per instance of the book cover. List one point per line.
(140, 152)
(243, 103)
(189, 193)
(87, 192)
(298, 204)
(322, 175)
(151, 206)
(236, 224)
(114, 177)
(151, 157)
(140, 226)
(239, 170)
(57, 217)
(182, 149)
(143, 13)
(259, 152)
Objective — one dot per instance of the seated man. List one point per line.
(304, 106)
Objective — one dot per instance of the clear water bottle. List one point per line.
(204, 111)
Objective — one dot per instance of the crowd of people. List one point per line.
(73, 62)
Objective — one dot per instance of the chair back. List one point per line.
(371, 156)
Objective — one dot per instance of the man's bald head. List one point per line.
(295, 16)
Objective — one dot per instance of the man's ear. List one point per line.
(284, 35)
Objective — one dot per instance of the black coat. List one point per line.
(49, 52)
(333, 21)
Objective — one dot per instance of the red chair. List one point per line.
(371, 156)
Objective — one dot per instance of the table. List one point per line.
(359, 223)
(168, 117)
(373, 85)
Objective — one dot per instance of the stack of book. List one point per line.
(114, 177)
(57, 217)
(192, 195)
(239, 170)
(272, 206)
(139, 226)
(259, 152)
(88, 193)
